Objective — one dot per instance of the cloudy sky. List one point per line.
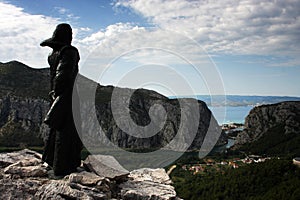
(245, 47)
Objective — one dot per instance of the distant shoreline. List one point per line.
(238, 100)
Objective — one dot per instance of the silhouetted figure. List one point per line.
(63, 145)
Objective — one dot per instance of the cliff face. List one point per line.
(175, 122)
(20, 121)
(275, 126)
(24, 103)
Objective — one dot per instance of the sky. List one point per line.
(176, 47)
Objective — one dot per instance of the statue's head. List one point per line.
(62, 35)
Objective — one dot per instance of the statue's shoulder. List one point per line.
(68, 50)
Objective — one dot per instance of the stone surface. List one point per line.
(19, 180)
(147, 191)
(16, 188)
(24, 163)
(24, 155)
(148, 184)
(26, 171)
(61, 189)
(85, 178)
(158, 175)
(105, 166)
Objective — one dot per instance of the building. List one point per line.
(296, 161)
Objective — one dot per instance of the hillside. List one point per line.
(273, 179)
(17, 79)
(272, 129)
(24, 103)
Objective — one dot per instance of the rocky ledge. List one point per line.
(23, 175)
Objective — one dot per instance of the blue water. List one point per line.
(228, 114)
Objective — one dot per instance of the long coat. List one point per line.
(63, 147)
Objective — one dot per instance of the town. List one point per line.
(209, 165)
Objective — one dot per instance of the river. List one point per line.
(233, 114)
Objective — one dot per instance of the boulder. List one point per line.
(27, 164)
(106, 166)
(148, 184)
(85, 178)
(27, 171)
(158, 175)
(13, 157)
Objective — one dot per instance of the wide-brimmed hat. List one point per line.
(62, 35)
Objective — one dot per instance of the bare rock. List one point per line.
(158, 175)
(26, 171)
(106, 166)
(25, 179)
(19, 188)
(132, 190)
(29, 164)
(263, 119)
(148, 184)
(85, 178)
(13, 157)
(61, 189)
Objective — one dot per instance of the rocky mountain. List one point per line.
(24, 103)
(23, 175)
(272, 129)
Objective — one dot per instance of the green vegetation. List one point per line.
(11, 149)
(21, 80)
(273, 179)
(14, 136)
(275, 142)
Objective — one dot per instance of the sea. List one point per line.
(230, 114)
(227, 115)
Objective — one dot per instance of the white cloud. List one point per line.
(114, 53)
(21, 34)
(260, 27)
(66, 14)
(232, 27)
(61, 10)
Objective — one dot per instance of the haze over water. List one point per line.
(236, 114)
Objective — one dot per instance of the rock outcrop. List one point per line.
(24, 103)
(21, 120)
(271, 125)
(24, 176)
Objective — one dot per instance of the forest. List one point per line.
(273, 179)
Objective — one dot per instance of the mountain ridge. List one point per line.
(24, 103)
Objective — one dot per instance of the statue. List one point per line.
(63, 145)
